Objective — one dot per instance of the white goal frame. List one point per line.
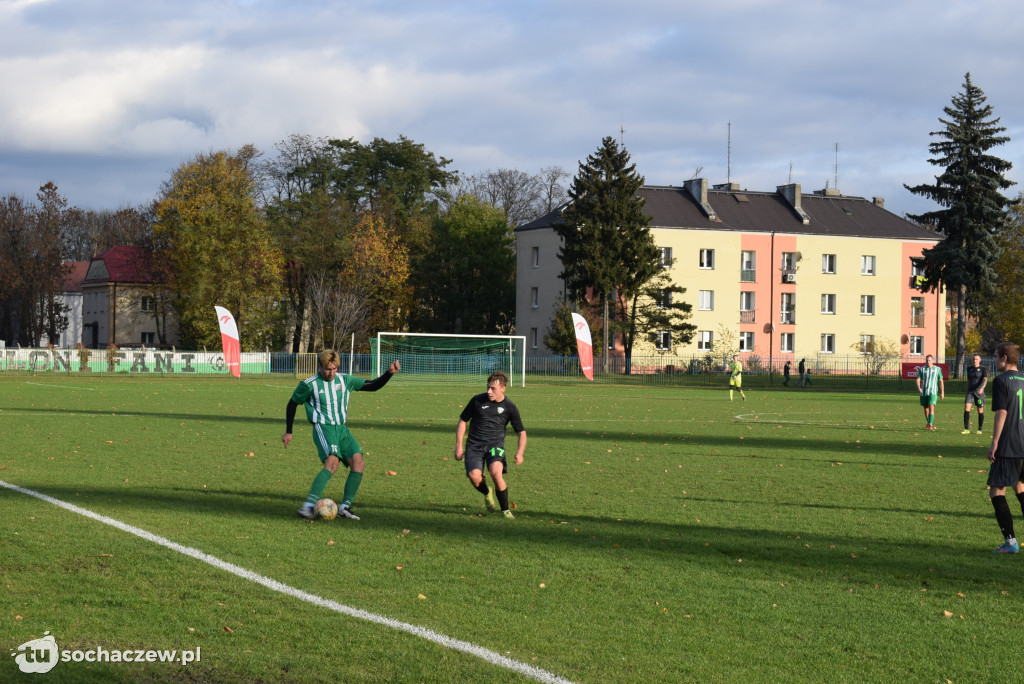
(510, 339)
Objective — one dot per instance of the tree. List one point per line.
(560, 336)
(378, 271)
(1005, 312)
(465, 273)
(337, 310)
(219, 250)
(607, 244)
(657, 309)
(969, 187)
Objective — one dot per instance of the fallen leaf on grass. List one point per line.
(946, 613)
(392, 472)
(399, 567)
(228, 629)
(420, 596)
(331, 543)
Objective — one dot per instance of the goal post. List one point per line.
(452, 358)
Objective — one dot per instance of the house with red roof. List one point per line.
(125, 303)
(71, 295)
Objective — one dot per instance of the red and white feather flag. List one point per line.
(229, 338)
(584, 345)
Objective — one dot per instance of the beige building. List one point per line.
(784, 274)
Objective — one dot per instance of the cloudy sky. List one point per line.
(106, 97)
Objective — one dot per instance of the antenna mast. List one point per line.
(835, 178)
(728, 156)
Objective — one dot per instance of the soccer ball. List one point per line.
(326, 509)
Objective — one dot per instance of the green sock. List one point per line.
(316, 492)
(931, 417)
(351, 487)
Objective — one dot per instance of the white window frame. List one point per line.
(788, 261)
(787, 314)
(916, 345)
(746, 341)
(828, 304)
(828, 263)
(748, 260)
(707, 259)
(665, 298)
(785, 338)
(867, 305)
(706, 300)
(705, 340)
(866, 340)
(665, 256)
(867, 264)
(663, 340)
(828, 343)
(747, 300)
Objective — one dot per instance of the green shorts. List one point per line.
(335, 439)
(929, 400)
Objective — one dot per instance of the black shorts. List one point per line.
(1005, 472)
(975, 398)
(477, 456)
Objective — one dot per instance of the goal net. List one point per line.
(452, 358)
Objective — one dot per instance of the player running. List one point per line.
(325, 396)
(487, 416)
(736, 377)
(977, 378)
(1007, 451)
(931, 387)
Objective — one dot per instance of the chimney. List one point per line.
(731, 187)
(878, 202)
(698, 189)
(792, 194)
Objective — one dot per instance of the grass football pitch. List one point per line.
(661, 535)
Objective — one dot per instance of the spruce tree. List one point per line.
(607, 246)
(969, 189)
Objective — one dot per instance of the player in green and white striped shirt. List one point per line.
(931, 387)
(325, 396)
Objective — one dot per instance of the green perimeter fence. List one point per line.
(825, 372)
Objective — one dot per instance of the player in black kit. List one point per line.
(1007, 451)
(977, 378)
(487, 415)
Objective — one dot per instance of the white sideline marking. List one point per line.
(430, 635)
(46, 384)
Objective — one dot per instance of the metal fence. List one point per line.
(825, 371)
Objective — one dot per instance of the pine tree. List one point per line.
(969, 189)
(607, 246)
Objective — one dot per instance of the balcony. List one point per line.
(787, 317)
(917, 319)
(747, 317)
(748, 275)
(789, 276)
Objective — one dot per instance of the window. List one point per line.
(916, 267)
(706, 300)
(867, 265)
(867, 344)
(828, 303)
(786, 343)
(788, 308)
(828, 343)
(746, 341)
(707, 258)
(917, 312)
(788, 261)
(916, 345)
(705, 340)
(746, 301)
(663, 340)
(867, 305)
(665, 298)
(533, 337)
(665, 256)
(149, 338)
(147, 304)
(534, 297)
(748, 266)
(828, 263)
(535, 257)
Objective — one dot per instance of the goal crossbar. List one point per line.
(507, 343)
